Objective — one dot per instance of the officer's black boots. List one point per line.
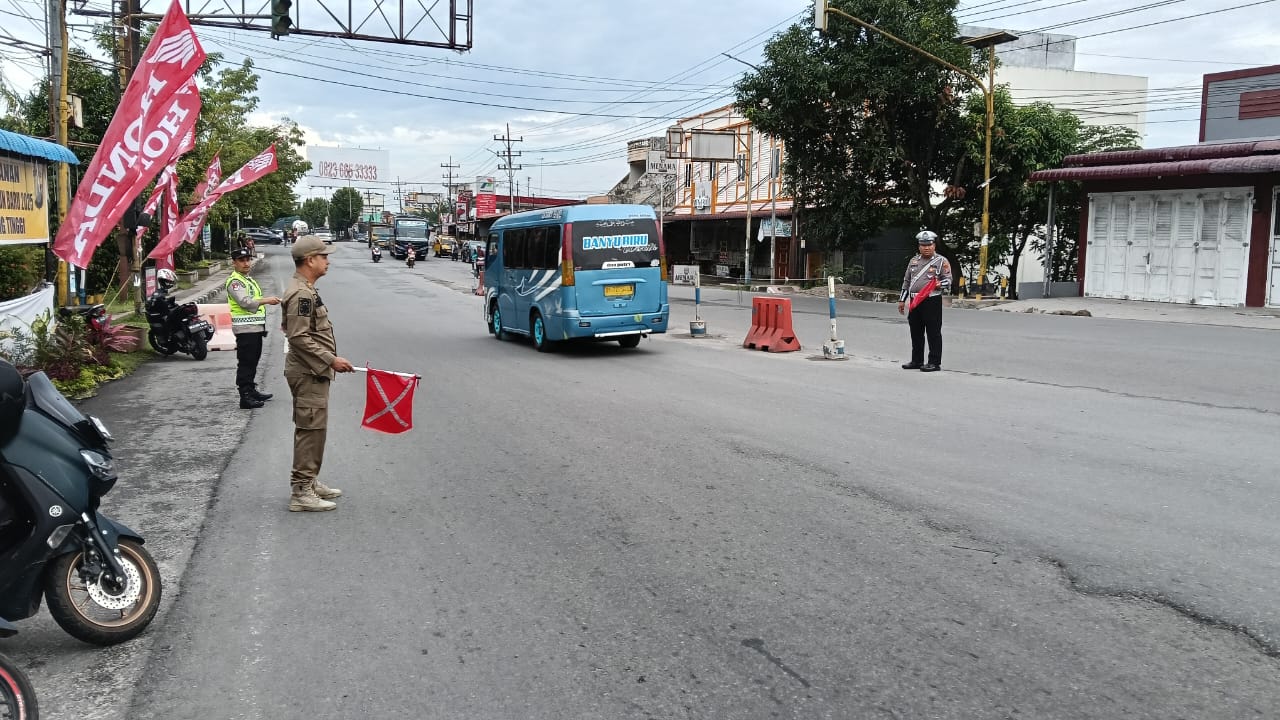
(248, 401)
(260, 395)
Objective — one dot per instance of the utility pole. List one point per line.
(59, 117)
(129, 244)
(399, 192)
(448, 185)
(510, 168)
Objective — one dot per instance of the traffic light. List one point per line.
(280, 22)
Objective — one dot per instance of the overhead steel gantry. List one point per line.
(443, 24)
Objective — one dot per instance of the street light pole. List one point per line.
(821, 9)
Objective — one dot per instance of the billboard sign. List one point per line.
(345, 165)
(486, 204)
(657, 163)
(24, 201)
(486, 185)
(782, 229)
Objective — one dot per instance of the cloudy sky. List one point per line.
(577, 80)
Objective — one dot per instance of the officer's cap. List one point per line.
(926, 237)
(241, 254)
(310, 245)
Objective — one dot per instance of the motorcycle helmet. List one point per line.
(13, 399)
(166, 278)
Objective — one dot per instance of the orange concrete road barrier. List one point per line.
(771, 328)
(219, 316)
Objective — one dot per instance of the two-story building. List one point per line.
(705, 205)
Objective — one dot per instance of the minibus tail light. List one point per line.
(566, 256)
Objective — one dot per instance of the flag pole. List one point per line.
(389, 372)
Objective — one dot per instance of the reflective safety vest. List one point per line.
(240, 316)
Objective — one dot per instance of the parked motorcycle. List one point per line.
(377, 254)
(101, 585)
(175, 327)
(95, 317)
(17, 697)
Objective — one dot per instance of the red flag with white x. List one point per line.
(388, 404)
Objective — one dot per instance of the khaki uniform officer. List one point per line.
(309, 368)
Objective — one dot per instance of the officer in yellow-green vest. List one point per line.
(249, 323)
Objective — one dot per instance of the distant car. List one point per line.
(445, 246)
(262, 236)
(323, 233)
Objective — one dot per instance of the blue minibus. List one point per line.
(578, 272)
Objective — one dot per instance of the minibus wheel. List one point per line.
(629, 341)
(496, 314)
(538, 329)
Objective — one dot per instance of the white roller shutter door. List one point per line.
(1182, 246)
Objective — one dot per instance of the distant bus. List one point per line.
(409, 231)
(381, 235)
(584, 271)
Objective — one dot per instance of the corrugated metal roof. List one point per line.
(1216, 166)
(32, 147)
(1204, 151)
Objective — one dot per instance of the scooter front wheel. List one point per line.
(17, 697)
(104, 615)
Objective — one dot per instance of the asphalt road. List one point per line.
(1074, 520)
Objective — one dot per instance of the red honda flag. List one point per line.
(212, 176)
(924, 293)
(153, 116)
(388, 404)
(261, 165)
(169, 175)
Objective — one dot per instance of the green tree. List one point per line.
(229, 97)
(1025, 139)
(345, 208)
(867, 123)
(1070, 199)
(314, 212)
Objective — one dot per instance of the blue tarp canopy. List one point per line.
(32, 147)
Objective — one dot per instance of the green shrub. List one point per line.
(21, 269)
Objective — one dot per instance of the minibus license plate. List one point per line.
(619, 291)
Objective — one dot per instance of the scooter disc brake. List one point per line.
(126, 599)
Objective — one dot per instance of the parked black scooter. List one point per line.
(102, 586)
(17, 697)
(175, 327)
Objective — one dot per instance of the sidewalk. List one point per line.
(1245, 317)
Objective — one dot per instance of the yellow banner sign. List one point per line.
(24, 201)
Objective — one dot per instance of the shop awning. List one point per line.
(34, 147)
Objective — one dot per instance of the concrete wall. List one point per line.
(1031, 50)
(1095, 98)
(1035, 290)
